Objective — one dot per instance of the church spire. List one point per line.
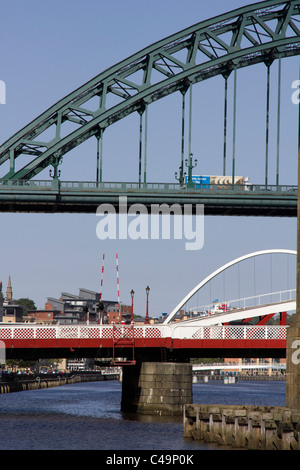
(9, 290)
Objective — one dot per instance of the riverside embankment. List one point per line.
(19, 383)
(244, 427)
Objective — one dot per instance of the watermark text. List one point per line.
(296, 354)
(296, 93)
(163, 222)
(2, 353)
(2, 92)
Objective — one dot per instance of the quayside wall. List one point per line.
(244, 427)
(40, 382)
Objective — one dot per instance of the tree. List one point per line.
(19, 363)
(27, 304)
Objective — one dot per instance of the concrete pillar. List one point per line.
(157, 388)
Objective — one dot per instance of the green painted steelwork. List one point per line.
(84, 196)
(256, 33)
(278, 120)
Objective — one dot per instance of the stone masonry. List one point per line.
(157, 388)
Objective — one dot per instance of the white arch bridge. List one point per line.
(225, 313)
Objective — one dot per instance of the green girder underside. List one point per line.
(260, 32)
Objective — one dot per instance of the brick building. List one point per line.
(81, 308)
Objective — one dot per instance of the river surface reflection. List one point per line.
(87, 416)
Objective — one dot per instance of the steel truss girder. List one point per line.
(256, 33)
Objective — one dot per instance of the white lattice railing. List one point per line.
(174, 331)
(78, 331)
(240, 332)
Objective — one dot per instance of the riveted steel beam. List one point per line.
(260, 32)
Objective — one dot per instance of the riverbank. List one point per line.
(20, 384)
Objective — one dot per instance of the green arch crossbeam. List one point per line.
(260, 32)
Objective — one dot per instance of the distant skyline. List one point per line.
(51, 48)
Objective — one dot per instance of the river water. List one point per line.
(87, 416)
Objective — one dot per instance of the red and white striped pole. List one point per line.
(118, 282)
(101, 285)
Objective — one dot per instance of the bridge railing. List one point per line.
(28, 185)
(174, 331)
(245, 302)
(61, 186)
(231, 332)
(28, 331)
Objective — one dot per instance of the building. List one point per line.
(45, 317)
(82, 308)
(11, 311)
(116, 313)
(255, 366)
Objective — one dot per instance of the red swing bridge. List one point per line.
(222, 331)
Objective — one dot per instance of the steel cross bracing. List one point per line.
(256, 33)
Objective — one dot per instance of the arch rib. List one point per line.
(208, 50)
(220, 270)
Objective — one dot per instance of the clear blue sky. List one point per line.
(49, 48)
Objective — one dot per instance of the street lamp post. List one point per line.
(132, 294)
(190, 166)
(147, 306)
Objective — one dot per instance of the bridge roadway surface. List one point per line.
(54, 196)
(206, 336)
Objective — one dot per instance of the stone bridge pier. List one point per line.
(156, 388)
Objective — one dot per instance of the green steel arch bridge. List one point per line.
(259, 33)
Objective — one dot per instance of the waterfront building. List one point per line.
(82, 308)
(44, 317)
(256, 366)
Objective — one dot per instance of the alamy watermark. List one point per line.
(2, 92)
(296, 354)
(2, 353)
(296, 93)
(135, 222)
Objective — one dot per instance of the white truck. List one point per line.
(204, 182)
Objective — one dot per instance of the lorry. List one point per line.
(205, 182)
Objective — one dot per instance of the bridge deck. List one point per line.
(192, 341)
(85, 197)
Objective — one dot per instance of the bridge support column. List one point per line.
(293, 332)
(293, 367)
(155, 388)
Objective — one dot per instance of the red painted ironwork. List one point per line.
(123, 337)
(116, 337)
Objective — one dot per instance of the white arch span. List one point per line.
(218, 271)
